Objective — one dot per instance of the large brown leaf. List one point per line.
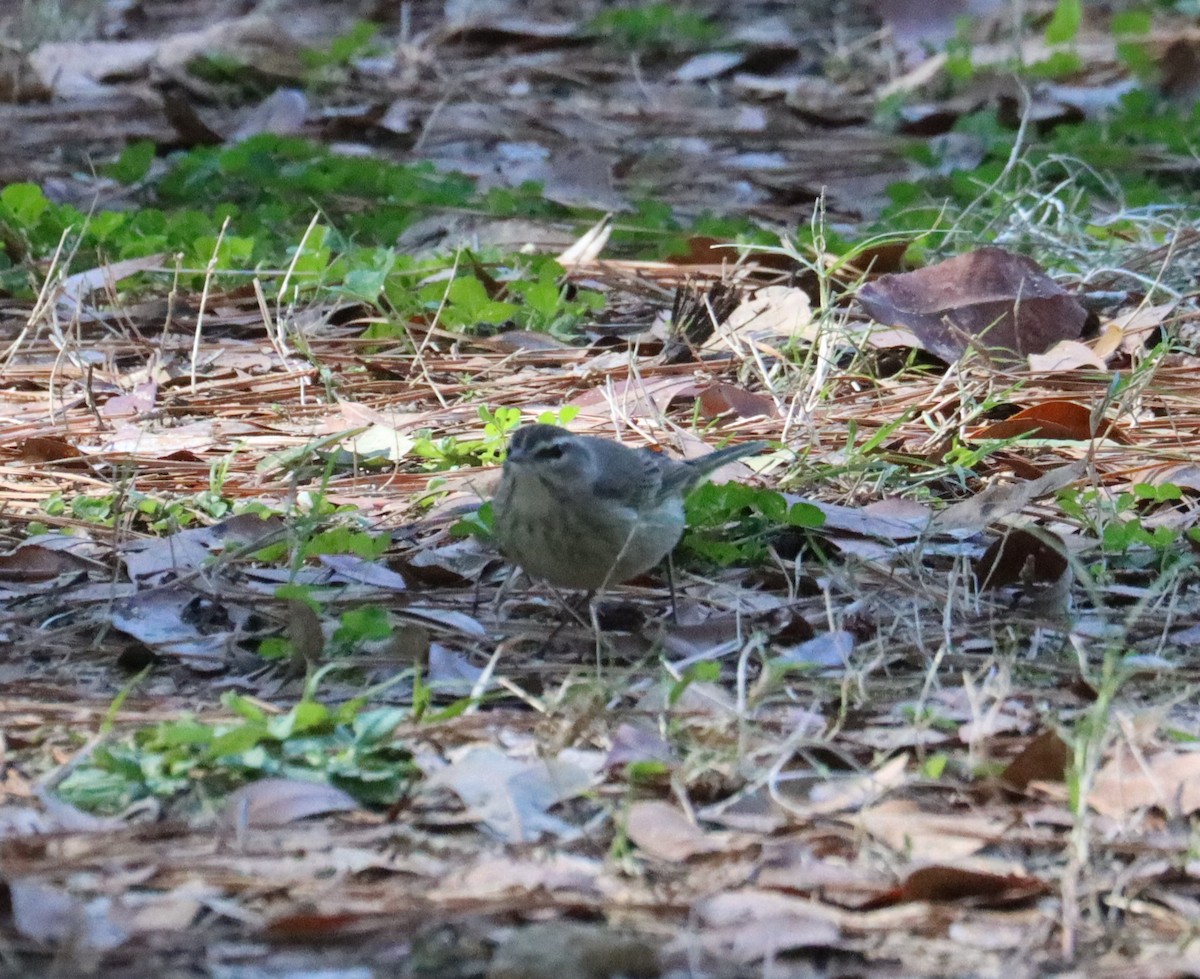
(989, 299)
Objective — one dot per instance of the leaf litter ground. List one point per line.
(946, 732)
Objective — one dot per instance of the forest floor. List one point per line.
(278, 282)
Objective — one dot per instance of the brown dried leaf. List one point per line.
(304, 634)
(1000, 500)
(724, 400)
(662, 831)
(989, 299)
(279, 801)
(1130, 782)
(1066, 355)
(511, 796)
(943, 883)
(751, 924)
(50, 449)
(1054, 420)
(35, 563)
(920, 835)
(1031, 557)
(1044, 759)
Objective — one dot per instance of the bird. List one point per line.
(584, 512)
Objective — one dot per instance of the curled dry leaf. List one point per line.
(943, 883)
(633, 743)
(76, 288)
(989, 299)
(1066, 355)
(826, 795)
(35, 563)
(722, 400)
(751, 924)
(661, 830)
(513, 797)
(1000, 500)
(278, 801)
(1054, 420)
(1030, 557)
(1044, 759)
(921, 835)
(1130, 782)
(589, 246)
(305, 634)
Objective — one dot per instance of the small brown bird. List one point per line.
(583, 512)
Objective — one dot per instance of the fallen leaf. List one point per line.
(1045, 759)
(589, 246)
(750, 924)
(35, 563)
(838, 793)
(76, 288)
(513, 797)
(179, 623)
(1000, 500)
(633, 743)
(1032, 557)
(1066, 355)
(49, 449)
(1130, 782)
(990, 298)
(1054, 420)
(282, 113)
(828, 649)
(722, 400)
(944, 883)
(662, 831)
(773, 311)
(279, 801)
(191, 549)
(50, 914)
(920, 835)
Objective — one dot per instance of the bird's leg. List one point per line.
(595, 616)
(671, 588)
(589, 599)
(572, 609)
(570, 612)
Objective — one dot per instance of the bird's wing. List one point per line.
(625, 475)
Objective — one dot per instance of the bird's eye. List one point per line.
(548, 452)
